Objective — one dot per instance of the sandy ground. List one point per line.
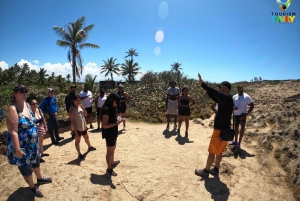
(155, 165)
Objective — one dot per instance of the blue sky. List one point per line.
(223, 40)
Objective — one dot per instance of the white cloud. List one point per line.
(3, 65)
(65, 69)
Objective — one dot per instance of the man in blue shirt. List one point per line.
(49, 108)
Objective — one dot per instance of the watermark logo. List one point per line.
(283, 17)
(284, 6)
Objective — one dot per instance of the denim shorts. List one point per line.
(27, 170)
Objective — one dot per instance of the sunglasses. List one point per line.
(221, 86)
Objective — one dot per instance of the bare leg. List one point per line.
(168, 118)
(37, 172)
(218, 161)
(29, 181)
(77, 142)
(98, 121)
(123, 116)
(113, 156)
(87, 140)
(90, 119)
(236, 128)
(180, 122)
(175, 119)
(110, 155)
(210, 160)
(242, 131)
(41, 139)
(187, 123)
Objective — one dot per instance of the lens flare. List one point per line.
(163, 10)
(157, 51)
(159, 36)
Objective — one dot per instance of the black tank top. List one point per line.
(122, 96)
(184, 101)
(38, 121)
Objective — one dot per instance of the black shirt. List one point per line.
(68, 100)
(112, 118)
(225, 107)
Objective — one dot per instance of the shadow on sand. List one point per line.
(238, 152)
(169, 133)
(77, 161)
(218, 190)
(21, 193)
(104, 180)
(182, 140)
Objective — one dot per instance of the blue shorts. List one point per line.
(27, 170)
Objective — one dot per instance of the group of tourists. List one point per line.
(28, 123)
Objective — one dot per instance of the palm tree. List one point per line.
(60, 83)
(130, 68)
(176, 68)
(131, 52)
(110, 67)
(68, 77)
(74, 37)
(89, 80)
(42, 76)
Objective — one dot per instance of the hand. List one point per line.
(20, 153)
(200, 80)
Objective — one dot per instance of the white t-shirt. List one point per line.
(173, 91)
(241, 102)
(88, 101)
(101, 101)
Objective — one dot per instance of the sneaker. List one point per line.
(42, 160)
(92, 148)
(35, 191)
(111, 172)
(44, 180)
(168, 127)
(91, 126)
(186, 134)
(55, 143)
(232, 143)
(177, 132)
(80, 156)
(201, 173)
(175, 126)
(124, 129)
(60, 138)
(115, 164)
(73, 135)
(213, 172)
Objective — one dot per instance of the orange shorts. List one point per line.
(215, 146)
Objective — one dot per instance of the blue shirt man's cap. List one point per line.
(50, 89)
(225, 84)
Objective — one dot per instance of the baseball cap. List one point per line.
(50, 89)
(225, 84)
(115, 97)
(20, 87)
(121, 86)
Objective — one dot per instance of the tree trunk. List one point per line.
(74, 66)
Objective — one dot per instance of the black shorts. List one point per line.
(110, 141)
(184, 111)
(239, 118)
(89, 110)
(121, 108)
(99, 112)
(80, 133)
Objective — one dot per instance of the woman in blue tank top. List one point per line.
(22, 140)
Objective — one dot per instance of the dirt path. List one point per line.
(155, 165)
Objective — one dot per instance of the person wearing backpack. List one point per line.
(49, 108)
